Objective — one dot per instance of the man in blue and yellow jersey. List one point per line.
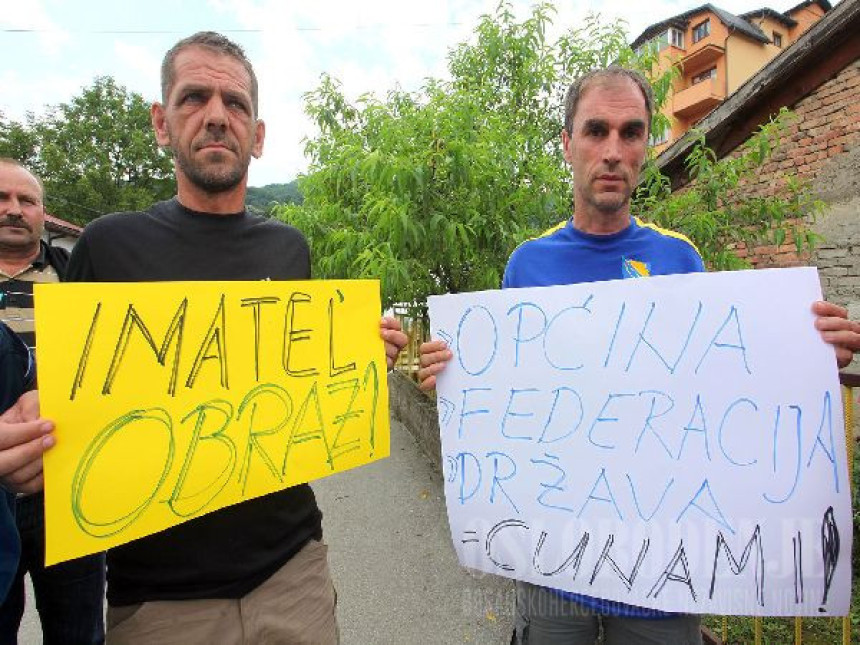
(605, 137)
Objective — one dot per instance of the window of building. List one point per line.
(704, 76)
(671, 36)
(777, 39)
(702, 30)
(654, 45)
(661, 138)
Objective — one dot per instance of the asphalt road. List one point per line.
(395, 569)
(397, 577)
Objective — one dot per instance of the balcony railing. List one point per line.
(701, 55)
(699, 99)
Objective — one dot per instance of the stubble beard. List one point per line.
(209, 177)
(609, 205)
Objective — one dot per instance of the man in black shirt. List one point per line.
(256, 571)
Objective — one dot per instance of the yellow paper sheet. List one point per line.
(175, 399)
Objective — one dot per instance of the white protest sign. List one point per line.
(673, 442)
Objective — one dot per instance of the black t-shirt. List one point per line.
(227, 553)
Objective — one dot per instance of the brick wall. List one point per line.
(822, 149)
(784, 255)
(827, 127)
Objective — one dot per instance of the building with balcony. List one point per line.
(818, 78)
(716, 52)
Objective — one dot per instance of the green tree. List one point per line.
(96, 154)
(713, 210)
(432, 190)
(17, 141)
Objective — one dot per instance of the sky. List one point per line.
(54, 48)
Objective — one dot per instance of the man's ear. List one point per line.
(567, 146)
(159, 124)
(41, 224)
(259, 137)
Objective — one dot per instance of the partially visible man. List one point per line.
(605, 136)
(20, 462)
(69, 596)
(255, 572)
(21, 447)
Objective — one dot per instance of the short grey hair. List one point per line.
(215, 42)
(613, 72)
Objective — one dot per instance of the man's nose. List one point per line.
(216, 113)
(612, 149)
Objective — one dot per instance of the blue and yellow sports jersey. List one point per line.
(564, 255)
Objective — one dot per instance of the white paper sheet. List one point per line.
(672, 442)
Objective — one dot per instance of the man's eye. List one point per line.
(193, 97)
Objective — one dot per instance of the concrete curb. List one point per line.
(417, 412)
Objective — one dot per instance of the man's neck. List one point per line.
(14, 260)
(594, 222)
(226, 203)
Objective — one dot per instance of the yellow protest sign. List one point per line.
(175, 399)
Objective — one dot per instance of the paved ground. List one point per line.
(30, 632)
(397, 577)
